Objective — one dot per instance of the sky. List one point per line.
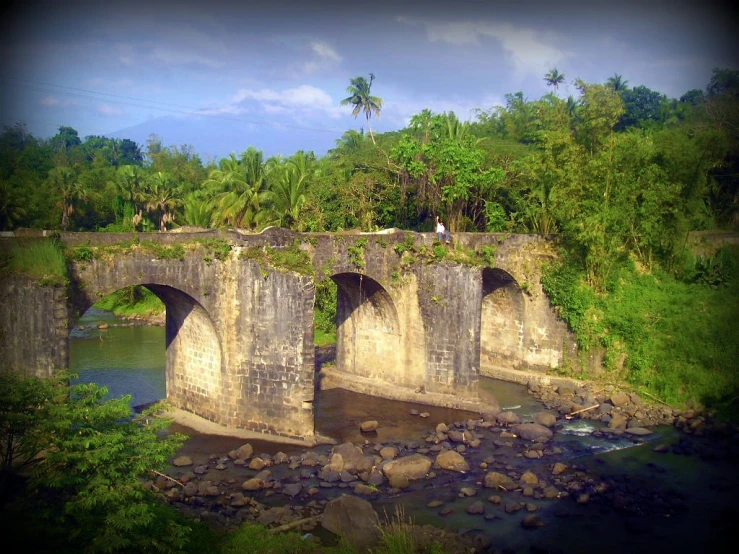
(224, 75)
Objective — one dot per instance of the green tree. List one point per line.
(617, 83)
(243, 202)
(71, 189)
(554, 78)
(163, 198)
(11, 206)
(131, 183)
(93, 454)
(360, 97)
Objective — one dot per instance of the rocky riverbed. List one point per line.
(496, 472)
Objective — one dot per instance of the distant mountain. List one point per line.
(214, 138)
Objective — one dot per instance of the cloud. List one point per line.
(324, 57)
(325, 51)
(530, 51)
(49, 101)
(298, 99)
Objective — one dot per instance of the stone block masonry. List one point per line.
(239, 325)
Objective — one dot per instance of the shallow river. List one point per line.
(130, 360)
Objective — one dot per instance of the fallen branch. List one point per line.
(658, 400)
(568, 416)
(168, 477)
(297, 523)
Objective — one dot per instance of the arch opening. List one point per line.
(179, 360)
(367, 330)
(502, 327)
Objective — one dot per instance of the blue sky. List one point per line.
(224, 75)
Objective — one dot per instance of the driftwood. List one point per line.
(297, 523)
(168, 477)
(657, 399)
(568, 416)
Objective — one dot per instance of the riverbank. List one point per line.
(524, 478)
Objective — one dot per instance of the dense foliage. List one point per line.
(623, 175)
(85, 459)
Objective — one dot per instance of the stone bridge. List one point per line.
(416, 321)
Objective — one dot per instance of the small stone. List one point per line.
(531, 521)
(368, 426)
(475, 508)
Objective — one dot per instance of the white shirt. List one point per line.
(439, 227)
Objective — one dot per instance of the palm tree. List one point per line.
(288, 191)
(71, 188)
(244, 202)
(130, 180)
(197, 211)
(617, 83)
(554, 78)
(361, 98)
(163, 197)
(350, 140)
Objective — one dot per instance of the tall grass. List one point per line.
(41, 259)
(132, 301)
(674, 337)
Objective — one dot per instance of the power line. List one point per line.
(141, 103)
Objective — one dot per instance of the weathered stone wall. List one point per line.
(503, 321)
(521, 330)
(268, 320)
(449, 296)
(33, 327)
(239, 335)
(194, 366)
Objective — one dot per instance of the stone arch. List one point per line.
(367, 330)
(503, 322)
(194, 359)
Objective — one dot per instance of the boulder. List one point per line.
(253, 484)
(388, 452)
(352, 518)
(459, 436)
(243, 452)
(547, 419)
(532, 432)
(495, 480)
(182, 461)
(350, 454)
(398, 481)
(368, 426)
(507, 418)
(476, 508)
(452, 461)
(618, 421)
(529, 478)
(415, 466)
(619, 399)
(639, 431)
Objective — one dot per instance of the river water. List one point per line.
(130, 360)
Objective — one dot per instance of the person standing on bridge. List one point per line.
(440, 229)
